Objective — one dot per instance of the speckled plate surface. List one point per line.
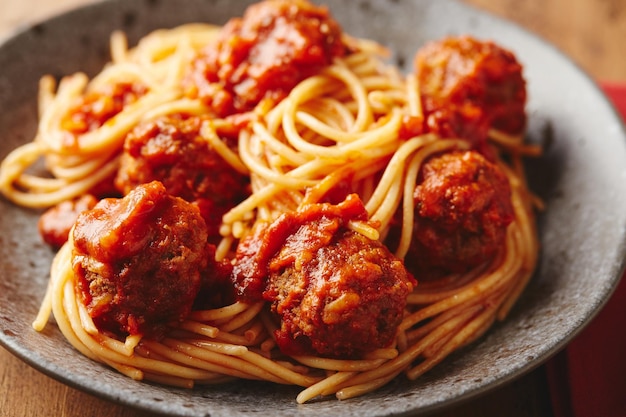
(581, 177)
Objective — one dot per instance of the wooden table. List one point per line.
(587, 31)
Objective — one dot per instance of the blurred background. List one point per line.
(589, 31)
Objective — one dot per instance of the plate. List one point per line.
(581, 178)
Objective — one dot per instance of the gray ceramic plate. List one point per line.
(581, 177)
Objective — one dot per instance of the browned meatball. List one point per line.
(462, 210)
(337, 292)
(170, 150)
(56, 222)
(468, 85)
(265, 54)
(138, 260)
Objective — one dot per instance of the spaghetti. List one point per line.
(348, 125)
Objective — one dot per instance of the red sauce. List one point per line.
(264, 55)
(56, 222)
(96, 107)
(255, 252)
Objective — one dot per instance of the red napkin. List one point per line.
(617, 94)
(588, 378)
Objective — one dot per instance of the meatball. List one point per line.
(468, 85)
(337, 293)
(138, 260)
(170, 150)
(462, 210)
(56, 222)
(276, 44)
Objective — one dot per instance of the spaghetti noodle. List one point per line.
(348, 125)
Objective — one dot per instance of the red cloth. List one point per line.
(588, 378)
(617, 94)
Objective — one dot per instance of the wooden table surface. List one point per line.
(586, 30)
